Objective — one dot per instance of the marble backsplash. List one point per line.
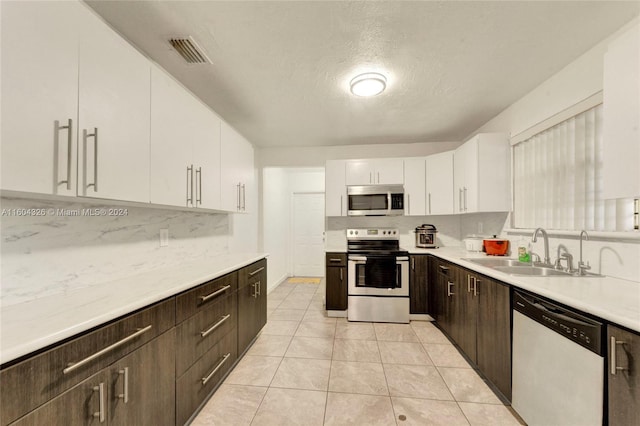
(62, 249)
(451, 228)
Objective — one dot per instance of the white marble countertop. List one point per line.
(30, 326)
(612, 299)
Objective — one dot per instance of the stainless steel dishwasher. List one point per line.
(558, 364)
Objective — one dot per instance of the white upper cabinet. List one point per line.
(114, 115)
(185, 147)
(414, 187)
(387, 171)
(621, 116)
(439, 187)
(237, 171)
(335, 189)
(40, 89)
(482, 174)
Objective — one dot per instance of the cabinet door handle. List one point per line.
(408, 204)
(259, 285)
(459, 199)
(214, 326)
(464, 190)
(215, 370)
(341, 274)
(56, 142)
(199, 186)
(215, 293)
(370, 177)
(238, 195)
(614, 367)
(125, 386)
(85, 136)
(413, 263)
(244, 197)
(341, 206)
(449, 285)
(75, 365)
(378, 177)
(256, 271)
(468, 283)
(100, 414)
(475, 286)
(190, 185)
(429, 197)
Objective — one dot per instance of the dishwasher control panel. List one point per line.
(574, 326)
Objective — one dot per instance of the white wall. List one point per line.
(574, 83)
(278, 187)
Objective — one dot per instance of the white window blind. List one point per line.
(558, 177)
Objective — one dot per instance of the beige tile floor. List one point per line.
(307, 369)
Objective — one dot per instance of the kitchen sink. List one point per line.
(492, 262)
(528, 270)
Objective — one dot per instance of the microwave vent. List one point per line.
(189, 50)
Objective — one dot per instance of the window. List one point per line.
(558, 178)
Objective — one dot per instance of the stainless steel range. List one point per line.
(378, 272)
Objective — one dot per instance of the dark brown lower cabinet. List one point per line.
(623, 357)
(252, 303)
(138, 389)
(197, 383)
(418, 284)
(494, 333)
(475, 311)
(336, 281)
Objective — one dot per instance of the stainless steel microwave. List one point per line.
(375, 200)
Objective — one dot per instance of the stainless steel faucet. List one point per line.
(583, 267)
(534, 238)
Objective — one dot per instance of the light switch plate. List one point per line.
(164, 237)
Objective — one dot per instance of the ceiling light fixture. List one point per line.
(368, 84)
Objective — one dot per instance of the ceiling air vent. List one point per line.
(189, 50)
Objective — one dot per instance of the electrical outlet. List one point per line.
(164, 237)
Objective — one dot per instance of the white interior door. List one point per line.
(308, 234)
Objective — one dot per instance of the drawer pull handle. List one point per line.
(333, 259)
(124, 396)
(443, 268)
(214, 326)
(215, 370)
(75, 365)
(256, 271)
(215, 293)
(100, 413)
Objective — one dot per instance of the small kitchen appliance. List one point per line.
(496, 246)
(375, 200)
(426, 236)
(378, 276)
(473, 243)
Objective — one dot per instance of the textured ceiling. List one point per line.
(280, 70)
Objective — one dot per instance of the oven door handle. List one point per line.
(402, 259)
(389, 202)
(357, 259)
